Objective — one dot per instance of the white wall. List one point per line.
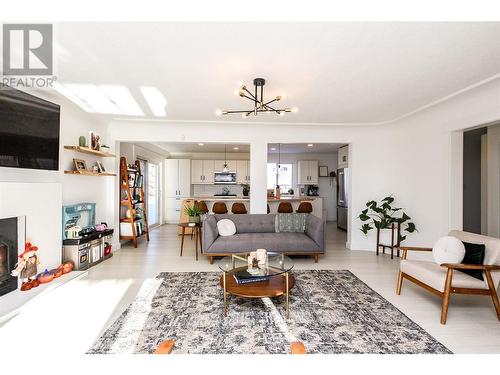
(40, 195)
(327, 187)
(493, 180)
(411, 158)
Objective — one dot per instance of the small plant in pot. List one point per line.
(193, 212)
(382, 215)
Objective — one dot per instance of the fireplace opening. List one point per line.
(11, 237)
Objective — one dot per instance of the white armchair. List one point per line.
(443, 281)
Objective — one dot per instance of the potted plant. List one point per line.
(382, 215)
(193, 212)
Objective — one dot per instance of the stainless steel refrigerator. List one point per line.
(342, 197)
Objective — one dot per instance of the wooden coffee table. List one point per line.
(277, 270)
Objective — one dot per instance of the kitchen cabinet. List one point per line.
(308, 173)
(343, 157)
(202, 171)
(177, 177)
(243, 171)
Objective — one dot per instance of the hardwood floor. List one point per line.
(85, 307)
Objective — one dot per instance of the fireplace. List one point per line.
(12, 235)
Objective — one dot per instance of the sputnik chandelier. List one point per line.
(257, 98)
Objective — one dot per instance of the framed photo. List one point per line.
(80, 165)
(100, 167)
(323, 171)
(95, 141)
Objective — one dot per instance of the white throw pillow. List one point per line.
(448, 250)
(226, 227)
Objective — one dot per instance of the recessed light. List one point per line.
(201, 144)
(236, 148)
(218, 112)
(156, 100)
(310, 145)
(273, 148)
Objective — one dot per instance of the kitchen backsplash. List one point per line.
(204, 190)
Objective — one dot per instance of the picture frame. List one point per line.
(323, 171)
(100, 167)
(80, 165)
(95, 141)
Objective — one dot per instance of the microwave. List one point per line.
(224, 177)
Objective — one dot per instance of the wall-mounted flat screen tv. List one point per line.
(29, 131)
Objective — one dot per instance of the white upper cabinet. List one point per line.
(308, 172)
(208, 171)
(202, 171)
(197, 171)
(243, 171)
(344, 157)
(177, 177)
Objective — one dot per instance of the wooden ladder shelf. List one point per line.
(127, 199)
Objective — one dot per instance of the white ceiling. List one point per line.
(188, 147)
(301, 148)
(333, 72)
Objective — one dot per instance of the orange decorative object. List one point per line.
(45, 277)
(57, 272)
(67, 267)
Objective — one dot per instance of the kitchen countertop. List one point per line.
(211, 198)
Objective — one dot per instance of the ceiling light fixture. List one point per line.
(225, 160)
(236, 148)
(259, 105)
(310, 145)
(201, 144)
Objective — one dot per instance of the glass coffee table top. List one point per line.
(276, 264)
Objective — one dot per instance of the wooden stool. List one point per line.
(202, 206)
(305, 208)
(285, 208)
(238, 208)
(197, 235)
(219, 208)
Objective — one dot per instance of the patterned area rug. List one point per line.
(331, 312)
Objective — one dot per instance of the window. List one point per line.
(285, 176)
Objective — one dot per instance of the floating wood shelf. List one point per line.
(86, 150)
(88, 173)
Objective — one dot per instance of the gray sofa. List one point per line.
(254, 231)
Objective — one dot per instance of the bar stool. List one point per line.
(238, 208)
(219, 208)
(305, 208)
(285, 208)
(268, 209)
(202, 206)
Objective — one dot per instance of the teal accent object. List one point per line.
(293, 222)
(82, 141)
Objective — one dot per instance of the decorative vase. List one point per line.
(194, 219)
(82, 141)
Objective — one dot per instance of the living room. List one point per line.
(222, 197)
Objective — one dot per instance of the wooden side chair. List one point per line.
(444, 280)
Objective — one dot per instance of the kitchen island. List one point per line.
(273, 202)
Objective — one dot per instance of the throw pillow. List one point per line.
(293, 222)
(448, 250)
(474, 254)
(226, 227)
